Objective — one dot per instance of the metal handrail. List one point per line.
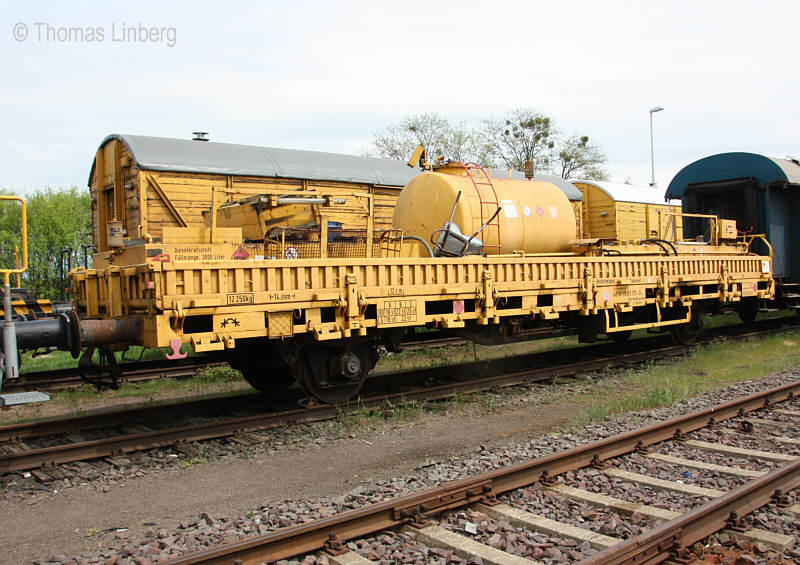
(10, 356)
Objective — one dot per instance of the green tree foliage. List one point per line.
(578, 158)
(523, 135)
(437, 134)
(57, 220)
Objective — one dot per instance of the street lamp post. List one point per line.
(653, 110)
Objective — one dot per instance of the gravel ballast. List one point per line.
(160, 541)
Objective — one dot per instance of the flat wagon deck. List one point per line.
(210, 304)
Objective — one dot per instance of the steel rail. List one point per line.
(131, 372)
(670, 538)
(51, 456)
(155, 369)
(316, 535)
(434, 343)
(109, 418)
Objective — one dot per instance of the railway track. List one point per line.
(466, 517)
(48, 443)
(131, 372)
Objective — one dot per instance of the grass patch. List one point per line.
(205, 381)
(358, 416)
(707, 368)
(54, 360)
(208, 383)
(431, 357)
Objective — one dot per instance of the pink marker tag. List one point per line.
(176, 354)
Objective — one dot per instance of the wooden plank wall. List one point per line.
(606, 218)
(114, 190)
(190, 195)
(640, 221)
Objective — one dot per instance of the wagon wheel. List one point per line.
(263, 376)
(335, 375)
(748, 310)
(686, 334)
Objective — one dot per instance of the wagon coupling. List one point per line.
(69, 333)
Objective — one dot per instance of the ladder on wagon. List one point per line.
(487, 196)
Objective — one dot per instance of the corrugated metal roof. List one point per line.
(627, 192)
(183, 155)
(735, 165)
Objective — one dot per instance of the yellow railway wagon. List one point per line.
(321, 320)
(620, 212)
(213, 305)
(279, 312)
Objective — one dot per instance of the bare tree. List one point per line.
(457, 143)
(523, 135)
(576, 157)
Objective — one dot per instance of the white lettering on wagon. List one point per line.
(241, 298)
(197, 253)
(397, 312)
(629, 292)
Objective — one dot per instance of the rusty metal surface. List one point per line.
(543, 360)
(105, 332)
(658, 544)
(360, 522)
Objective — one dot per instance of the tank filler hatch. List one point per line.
(450, 242)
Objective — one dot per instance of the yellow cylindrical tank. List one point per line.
(535, 217)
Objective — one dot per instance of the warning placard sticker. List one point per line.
(397, 312)
(509, 208)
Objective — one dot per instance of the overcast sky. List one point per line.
(328, 75)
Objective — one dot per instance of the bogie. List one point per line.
(335, 374)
